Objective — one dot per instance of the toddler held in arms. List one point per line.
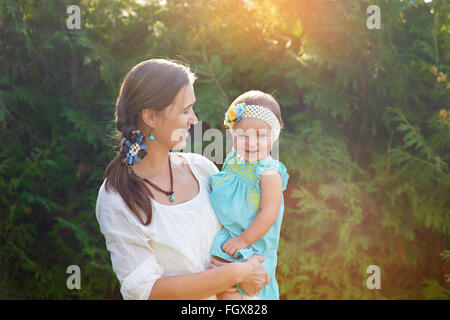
(247, 195)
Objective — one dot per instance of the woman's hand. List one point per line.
(253, 273)
(217, 262)
(256, 277)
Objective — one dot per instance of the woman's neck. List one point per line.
(155, 162)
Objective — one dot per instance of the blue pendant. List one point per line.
(172, 198)
(151, 138)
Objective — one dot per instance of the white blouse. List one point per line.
(177, 241)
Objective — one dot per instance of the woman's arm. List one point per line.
(142, 277)
(205, 284)
(271, 196)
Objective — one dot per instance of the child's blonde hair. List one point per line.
(256, 97)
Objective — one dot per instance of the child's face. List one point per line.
(252, 139)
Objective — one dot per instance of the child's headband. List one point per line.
(237, 112)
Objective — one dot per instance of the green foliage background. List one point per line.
(366, 144)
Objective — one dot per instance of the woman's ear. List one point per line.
(149, 117)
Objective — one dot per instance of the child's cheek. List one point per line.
(263, 144)
(239, 144)
(264, 147)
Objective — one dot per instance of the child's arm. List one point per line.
(271, 195)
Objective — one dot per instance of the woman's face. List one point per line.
(252, 139)
(172, 125)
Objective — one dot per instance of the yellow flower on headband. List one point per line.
(234, 114)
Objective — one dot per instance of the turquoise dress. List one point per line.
(235, 198)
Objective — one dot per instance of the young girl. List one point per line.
(247, 195)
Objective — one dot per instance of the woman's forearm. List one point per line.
(200, 285)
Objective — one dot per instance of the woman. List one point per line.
(153, 207)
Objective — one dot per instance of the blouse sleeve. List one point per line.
(133, 259)
(273, 164)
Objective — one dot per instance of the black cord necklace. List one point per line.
(169, 192)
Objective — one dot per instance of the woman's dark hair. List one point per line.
(152, 84)
(256, 97)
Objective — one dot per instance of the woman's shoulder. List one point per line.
(105, 193)
(111, 208)
(110, 203)
(106, 197)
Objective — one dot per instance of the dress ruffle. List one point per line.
(273, 164)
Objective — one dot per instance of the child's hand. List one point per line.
(233, 245)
